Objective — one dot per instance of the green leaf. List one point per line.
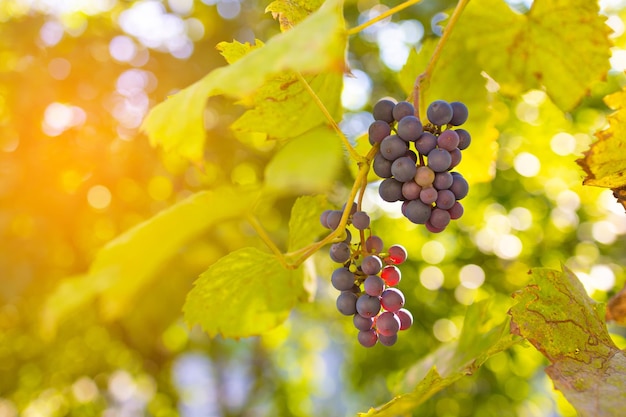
(304, 223)
(557, 316)
(234, 51)
(561, 45)
(128, 264)
(450, 362)
(291, 12)
(605, 161)
(307, 164)
(245, 293)
(317, 45)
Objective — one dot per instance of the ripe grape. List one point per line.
(346, 303)
(464, 138)
(432, 228)
(440, 218)
(403, 109)
(392, 299)
(455, 155)
(439, 160)
(387, 324)
(378, 131)
(367, 338)
(363, 323)
(390, 190)
(360, 220)
(460, 113)
(397, 254)
(410, 128)
(426, 143)
(383, 110)
(392, 147)
(373, 244)
(382, 166)
(403, 169)
(391, 275)
(417, 212)
(373, 285)
(371, 265)
(428, 195)
(388, 340)
(456, 211)
(459, 186)
(406, 318)
(439, 112)
(324, 218)
(443, 180)
(333, 219)
(445, 199)
(367, 305)
(412, 155)
(424, 176)
(340, 252)
(348, 238)
(342, 279)
(410, 190)
(448, 140)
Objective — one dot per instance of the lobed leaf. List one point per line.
(557, 316)
(304, 223)
(605, 161)
(291, 12)
(559, 45)
(450, 362)
(316, 45)
(245, 293)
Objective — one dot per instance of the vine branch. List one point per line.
(256, 225)
(382, 16)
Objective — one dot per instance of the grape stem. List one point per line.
(381, 16)
(423, 80)
(353, 153)
(258, 227)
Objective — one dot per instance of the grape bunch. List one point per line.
(366, 280)
(421, 177)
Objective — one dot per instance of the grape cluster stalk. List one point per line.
(416, 160)
(366, 280)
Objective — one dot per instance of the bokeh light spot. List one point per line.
(433, 252)
(160, 188)
(85, 390)
(563, 144)
(122, 48)
(604, 232)
(508, 247)
(527, 164)
(472, 276)
(357, 88)
(445, 330)
(99, 197)
(51, 33)
(432, 278)
(59, 68)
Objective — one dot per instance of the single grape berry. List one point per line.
(460, 113)
(388, 340)
(440, 218)
(403, 169)
(363, 323)
(371, 265)
(410, 128)
(374, 285)
(378, 131)
(428, 195)
(439, 112)
(459, 186)
(439, 160)
(426, 143)
(392, 299)
(382, 166)
(367, 338)
(390, 190)
(410, 190)
(367, 305)
(456, 211)
(324, 218)
(340, 252)
(464, 138)
(397, 255)
(387, 324)
(342, 279)
(403, 109)
(361, 220)
(417, 212)
(346, 303)
(333, 219)
(424, 176)
(443, 180)
(445, 199)
(391, 275)
(448, 140)
(392, 147)
(406, 318)
(373, 244)
(383, 110)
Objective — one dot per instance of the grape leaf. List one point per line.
(450, 362)
(316, 45)
(561, 45)
(245, 293)
(304, 223)
(306, 164)
(234, 51)
(605, 161)
(291, 12)
(121, 269)
(557, 316)
(457, 78)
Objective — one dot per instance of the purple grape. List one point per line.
(388, 340)
(392, 147)
(387, 324)
(390, 190)
(448, 140)
(362, 323)
(382, 166)
(403, 169)
(440, 218)
(460, 113)
(342, 279)
(346, 303)
(417, 212)
(456, 211)
(378, 131)
(412, 155)
(459, 186)
(443, 180)
(340, 252)
(406, 318)
(410, 128)
(353, 208)
(439, 160)
(397, 255)
(367, 305)
(432, 228)
(374, 244)
(371, 265)
(426, 143)
(367, 338)
(348, 238)
(383, 110)
(373, 285)
(360, 220)
(392, 299)
(428, 195)
(410, 190)
(445, 199)
(324, 218)
(333, 219)
(456, 156)
(439, 112)
(464, 138)
(403, 109)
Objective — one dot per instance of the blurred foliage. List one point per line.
(77, 79)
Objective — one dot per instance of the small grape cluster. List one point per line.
(366, 280)
(430, 192)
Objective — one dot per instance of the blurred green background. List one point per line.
(76, 80)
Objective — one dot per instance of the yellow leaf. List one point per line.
(291, 12)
